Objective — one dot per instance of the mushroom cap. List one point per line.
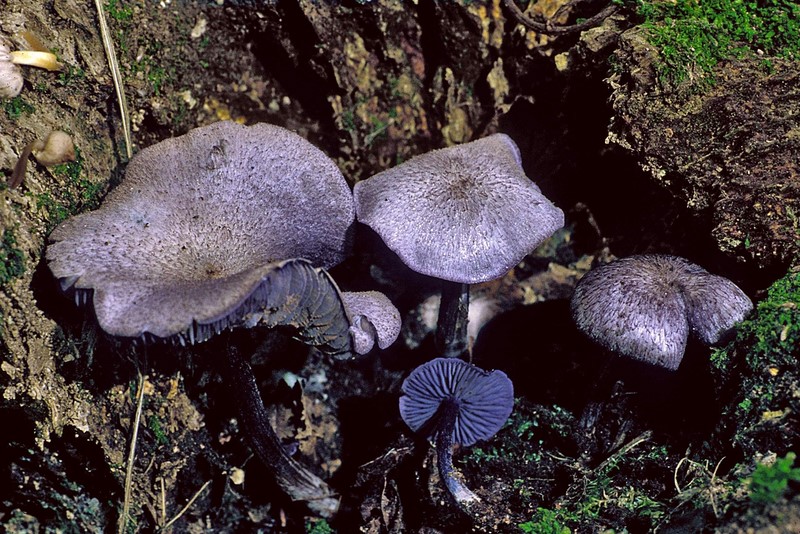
(11, 80)
(484, 398)
(466, 213)
(188, 236)
(56, 149)
(645, 307)
(373, 317)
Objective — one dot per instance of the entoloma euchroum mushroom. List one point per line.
(464, 214)
(207, 232)
(453, 402)
(646, 306)
(186, 235)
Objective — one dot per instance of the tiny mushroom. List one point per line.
(11, 75)
(464, 214)
(57, 148)
(646, 306)
(204, 233)
(373, 318)
(453, 402)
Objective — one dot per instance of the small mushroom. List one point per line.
(11, 75)
(646, 306)
(463, 214)
(57, 148)
(373, 318)
(455, 403)
(205, 233)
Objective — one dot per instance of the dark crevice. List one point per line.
(293, 58)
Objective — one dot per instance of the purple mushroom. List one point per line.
(463, 214)
(206, 232)
(373, 318)
(646, 306)
(453, 402)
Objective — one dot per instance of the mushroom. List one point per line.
(646, 306)
(57, 148)
(203, 234)
(373, 318)
(455, 403)
(11, 75)
(463, 214)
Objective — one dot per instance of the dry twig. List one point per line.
(547, 27)
(111, 54)
(126, 504)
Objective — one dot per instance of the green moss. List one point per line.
(758, 372)
(155, 426)
(523, 435)
(544, 522)
(12, 259)
(80, 193)
(70, 75)
(318, 526)
(16, 107)
(119, 11)
(769, 483)
(773, 334)
(693, 36)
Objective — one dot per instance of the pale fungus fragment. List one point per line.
(11, 79)
(373, 318)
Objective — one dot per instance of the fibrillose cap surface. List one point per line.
(373, 318)
(466, 213)
(485, 398)
(187, 235)
(646, 306)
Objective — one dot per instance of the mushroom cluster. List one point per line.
(233, 226)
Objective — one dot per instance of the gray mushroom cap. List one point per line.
(373, 318)
(466, 213)
(188, 236)
(485, 399)
(646, 306)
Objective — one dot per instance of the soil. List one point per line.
(596, 443)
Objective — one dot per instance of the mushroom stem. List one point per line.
(451, 327)
(18, 174)
(448, 411)
(35, 58)
(294, 479)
